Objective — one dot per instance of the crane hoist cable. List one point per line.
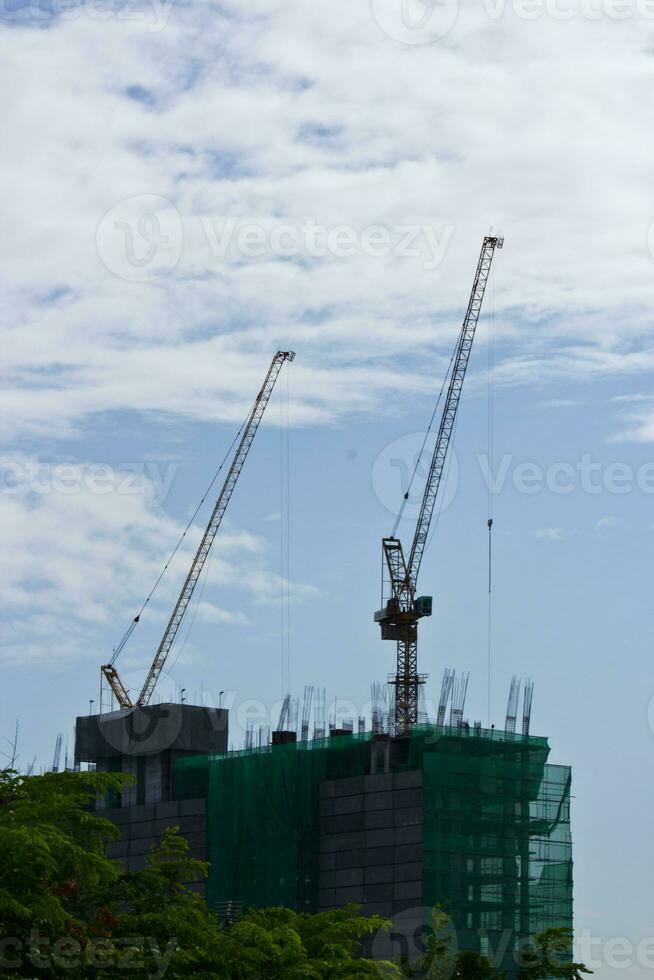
(406, 495)
(446, 482)
(249, 431)
(400, 615)
(285, 534)
(198, 596)
(130, 629)
(490, 477)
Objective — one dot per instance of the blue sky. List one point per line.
(188, 188)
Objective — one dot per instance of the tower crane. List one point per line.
(401, 612)
(109, 670)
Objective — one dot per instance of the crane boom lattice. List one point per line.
(451, 406)
(204, 548)
(399, 616)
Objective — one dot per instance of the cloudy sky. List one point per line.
(187, 188)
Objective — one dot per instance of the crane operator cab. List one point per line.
(422, 605)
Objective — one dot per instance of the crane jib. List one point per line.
(214, 523)
(400, 615)
(108, 670)
(459, 367)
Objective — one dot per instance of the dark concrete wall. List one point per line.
(150, 731)
(142, 826)
(144, 742)
(371, 842)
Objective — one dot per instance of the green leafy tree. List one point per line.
(551, 956)
(440, 957)
(548, 956)
(53, 869)
(473, 966)
(66, 910)
(269, 943)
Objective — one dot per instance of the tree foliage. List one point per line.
(549, 956)
(68, 910)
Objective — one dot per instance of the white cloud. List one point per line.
(288, 113)
(560, 403)
(638, 427)
(208, 612)
(75, 565)
(636, 397)
(638, 423)
(550, 533)
(607, 521)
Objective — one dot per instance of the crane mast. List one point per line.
(399, 616)
(174, 623)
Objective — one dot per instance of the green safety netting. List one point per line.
(262, 816)
(496, 846)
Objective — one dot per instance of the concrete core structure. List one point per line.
(146, 743)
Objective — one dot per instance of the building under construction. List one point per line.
(398, 818)
(474, 820)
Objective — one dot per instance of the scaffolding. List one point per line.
(496, 849)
